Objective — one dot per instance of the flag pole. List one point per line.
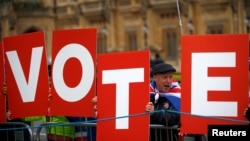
(179, 16)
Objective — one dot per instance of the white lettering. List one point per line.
(201, 84)
(122, 78)
(81, 90)
(216, 132)
(27, 89)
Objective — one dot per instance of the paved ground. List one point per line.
(42, 133)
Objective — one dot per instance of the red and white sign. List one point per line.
(2, 96)
(122, 89)
(214, 81)
(26, 74)
(73, 72)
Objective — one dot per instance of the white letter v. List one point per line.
(27, 90)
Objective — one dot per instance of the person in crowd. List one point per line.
(247, 114)
(247, 110)
(54, 133)
(154, 62)
(157, 60)
(162, 87)
(10, 134)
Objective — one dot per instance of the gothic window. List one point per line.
(124, 2)
(131, 43)
(215, 29)
(170, 43)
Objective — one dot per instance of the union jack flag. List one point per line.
(173, 95)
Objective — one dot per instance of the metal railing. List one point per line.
(18, 131)
(15, 131)
(86, 127)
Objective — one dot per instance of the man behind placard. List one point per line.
(163, 88)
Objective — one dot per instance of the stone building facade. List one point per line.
(128, 25)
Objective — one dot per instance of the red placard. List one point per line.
(26, 74)
(2, 96)
(214, 82)
(122, 89)
(249, 70)
(73, 72)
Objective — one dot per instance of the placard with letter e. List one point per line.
(214, 81)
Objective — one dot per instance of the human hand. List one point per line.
(8, 114)
(149, 107)
(50, 94)
(4, 89)
(94, 100)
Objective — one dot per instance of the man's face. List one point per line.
(163, 81)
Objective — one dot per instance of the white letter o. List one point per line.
(81, 90)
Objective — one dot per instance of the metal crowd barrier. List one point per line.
(158, 130)
(18, 131)
(15, 131)
(86, 125)
(81, 129)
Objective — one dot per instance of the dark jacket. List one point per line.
(164, 116)
(247, 115)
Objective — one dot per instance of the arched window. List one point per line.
(170, 40)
